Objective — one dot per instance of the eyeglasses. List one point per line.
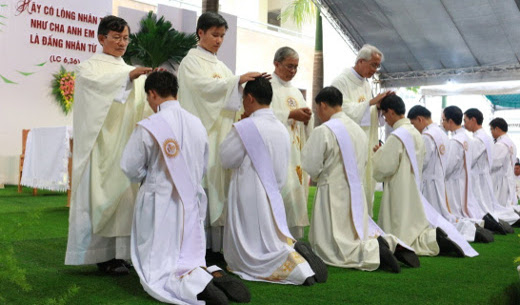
(119, 39)
(375, 66)
(290, 67)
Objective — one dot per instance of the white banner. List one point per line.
(36, 39)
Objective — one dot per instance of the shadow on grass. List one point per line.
(510, 296)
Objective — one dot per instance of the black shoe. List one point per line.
(382, 242)
(317, 265)
(233, 287)
(516, 224)
(491, 224)
(212, 295)
(446, 245)
(483, 235)
(407, 257)
(113, 267)
(507, 227)
(309, 281)
(387, 260)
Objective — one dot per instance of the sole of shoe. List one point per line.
(387, 261)
(317, 265)
(446, 245)
(233, 288)
(407, 257)
(212, 295)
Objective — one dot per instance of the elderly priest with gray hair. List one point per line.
(362, 107)
(290, 108)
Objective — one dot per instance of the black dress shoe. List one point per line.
(212, 295)
(382, 242)
(516, 224)
(507, 227)
(309, 281)
(407, 257)
(387, 260)
(317, 265)
(233, 287)
(483, 235)
(491, 224)
(446, 245)
(113, 267)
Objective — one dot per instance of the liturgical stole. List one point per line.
(469, 202)
(259, 155)
(487, 142)
(348, 155)
(434, 218)
(435, 133)
(192, 251)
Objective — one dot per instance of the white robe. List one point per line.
(402, 213)
(106, 108)
(332, 233)
(460, 198)
(433, 185)
(286, 98)
(502, 171)
(254, 248)
(356, 98)
(517, 182)
(159, 212)
(482, 184)
(209, 90)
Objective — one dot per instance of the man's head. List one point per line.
(328, 102)
(393, 108)
(160, 86)
(368, 61)
(286, 63)
(498, 127)
(451, 118)
(211, 28)
(517, 169)
(420, 117)
(113, 35)
(473, 119)
(257, 94)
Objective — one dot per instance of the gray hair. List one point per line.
(367, 51)
(285, 52)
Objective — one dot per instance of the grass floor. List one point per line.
(33, 237)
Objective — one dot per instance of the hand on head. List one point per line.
(251, 76)
(135, 73)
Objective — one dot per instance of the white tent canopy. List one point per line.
(488, 88)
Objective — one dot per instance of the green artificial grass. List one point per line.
(33, 237)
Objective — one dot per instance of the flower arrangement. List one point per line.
(63, 89)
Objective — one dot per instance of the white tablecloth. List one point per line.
(46, 160)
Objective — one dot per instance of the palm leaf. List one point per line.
(157, 43)
(8, 81)
(300, 11)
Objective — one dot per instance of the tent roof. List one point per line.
(508, 100)
(429, 42)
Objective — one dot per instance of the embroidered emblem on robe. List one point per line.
(171, 148)
(216, 75)
(282, 272)
(361, 99)
(292, 103)
(442, 149)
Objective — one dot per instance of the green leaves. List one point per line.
(157, 43)
(300, 11)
